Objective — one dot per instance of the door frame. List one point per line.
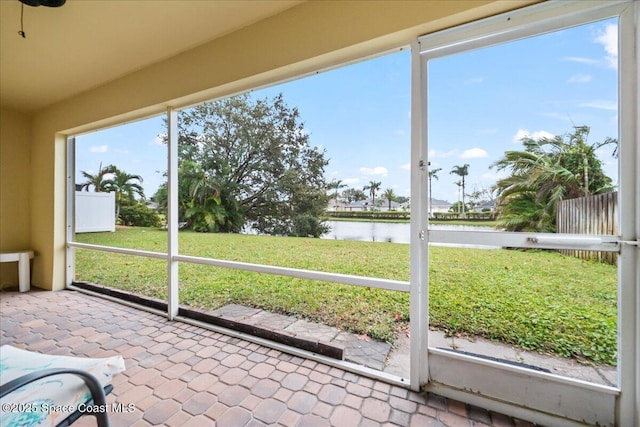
(537, 396)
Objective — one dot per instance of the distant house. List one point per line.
(364, 205)
(438, 205)
(341, 205)
(395, 206)
(361, 205)
(490, 205)
(336, 205)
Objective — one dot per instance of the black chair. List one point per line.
(96, 405)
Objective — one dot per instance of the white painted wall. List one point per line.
(95, 212)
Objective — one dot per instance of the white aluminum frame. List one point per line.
(541, 397)
(172, 215)
(628, 410)
(173, 259)
(507, 389)
(419, 298)
(70, 258)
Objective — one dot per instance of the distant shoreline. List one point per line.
(476, 223)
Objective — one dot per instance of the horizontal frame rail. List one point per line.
(345, 279)
(124, 251)
(527, 240)
(538, 391)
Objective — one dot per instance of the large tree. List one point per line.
(390, 196)
(546, 171)
(353, 195)
(461, 171)
(245, 160)
(335, 185)
(373, 188)
(98, 180)
(433, 173)
(125, 187)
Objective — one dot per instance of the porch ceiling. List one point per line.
(85, 44)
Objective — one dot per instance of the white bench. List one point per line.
(24, 272)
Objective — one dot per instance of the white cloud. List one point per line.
(99, 149)
(608, 38)
(351, 181)
(600, 105)
(378, 170)
(406, 166)
(442, 154)
(400, 132)
(523, 133)
(474, 153)
(579, 78)
(588, 61)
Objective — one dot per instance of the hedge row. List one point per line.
(479, 216)
(369, 214)
(441, 216)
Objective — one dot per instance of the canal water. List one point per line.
(384, 231)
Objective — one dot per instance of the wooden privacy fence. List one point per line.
(590, 215)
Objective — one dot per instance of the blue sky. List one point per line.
(480, 104)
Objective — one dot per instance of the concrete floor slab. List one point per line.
(235, 312)
(368, 352)
(272, 320)
(310, 330)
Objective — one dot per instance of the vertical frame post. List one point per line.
(629, 199)
(419, 296)
(70, 260)
(172, 214)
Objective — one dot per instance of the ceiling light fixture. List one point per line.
(48, 3)
(36, 3)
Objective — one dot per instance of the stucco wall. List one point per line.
(307, 38)
(15, 178)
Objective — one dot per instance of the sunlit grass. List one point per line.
(537, 300)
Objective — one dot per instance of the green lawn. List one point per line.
(534, 299)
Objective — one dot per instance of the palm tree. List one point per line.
(336, 185)
(585, 154)
(433, 173)
(206, 202)
(123, 185)
(459, 204)
(389, 195)
(98, 180)
(373, 187)
(546, 171)
(461, 171)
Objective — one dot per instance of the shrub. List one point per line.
(309, 226)
(139, 215)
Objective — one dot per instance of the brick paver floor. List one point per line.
(182, 375)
